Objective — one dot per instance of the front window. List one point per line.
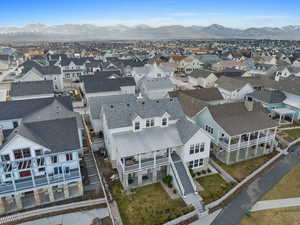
(69, 156)
(164, 121)
(192, 149)
(202, 147)
(5, 158)
(197, 148)
(147, 123)
(54, 159)
(152, 123)
(22, 153)
(38, 152)
(136, 125)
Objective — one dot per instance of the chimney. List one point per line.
(1, 136)
(249, 104)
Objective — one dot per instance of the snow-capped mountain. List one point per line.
(92, 32)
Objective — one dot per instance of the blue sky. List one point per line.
(236, 13)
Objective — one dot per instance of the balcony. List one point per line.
(30, 183)
(145, 164)
(244, 143)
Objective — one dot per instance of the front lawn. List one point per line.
(148, 205)
(290, 125)
(283, 216)
(241, 170)
(287, 187)
(214, 187)
(293, 134)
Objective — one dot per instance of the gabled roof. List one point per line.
(230, 84)
(235, 119)
(31, 88)
(203, 94)
(157, 83)
(268, 96)
(58, 135)
(200, 73)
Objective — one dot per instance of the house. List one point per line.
(96, 103)
(203, 78)
(35, 72)
(4, 62)
(151, 71)
(233, 89)
(186, 63)
(31, 89)
(73, 68)
(39, 151)
(156, 88)
(149, 139)
(240, 130)
(287, 72)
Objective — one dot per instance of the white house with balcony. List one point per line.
(240, 130)
(40, 141)
(149, 139)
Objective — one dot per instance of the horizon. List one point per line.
(234, 14)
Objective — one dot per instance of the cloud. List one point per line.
(183, 14)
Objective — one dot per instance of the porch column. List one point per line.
(154, 159)
(140, 161)
(239, 148)
(293, 117)
(51, 194)
(218, 137)
(140, 178)
(37, 197)
(280, 118)
(257, 143)
(125, 180)
(18, 200)
(66, 191)
(228, 151)
(2, 205)
(154, 175)
(247, 149)
(80, 188)
(265, 147)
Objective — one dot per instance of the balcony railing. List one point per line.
(30, 183)
(146, 164)
(245, 144)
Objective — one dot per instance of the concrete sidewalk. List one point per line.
(273, 204)
(206, 220)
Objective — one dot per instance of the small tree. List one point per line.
(168, 180)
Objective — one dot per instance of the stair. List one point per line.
(183, 175)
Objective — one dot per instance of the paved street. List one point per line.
(235, 211)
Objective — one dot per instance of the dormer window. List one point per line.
(150, 123)
(137, 125)
(164, 122)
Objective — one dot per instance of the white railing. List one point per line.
(245, 144)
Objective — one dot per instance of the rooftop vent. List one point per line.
(111, 106)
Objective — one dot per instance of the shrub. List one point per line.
(204, 171)
(198, 173)
(175, 191)
(192, 173)
(208, 170)
(168, 180)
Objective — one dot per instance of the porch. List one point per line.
(284, 115)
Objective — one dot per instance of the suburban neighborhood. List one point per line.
(149, 132)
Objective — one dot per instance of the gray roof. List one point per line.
(122, 114)
(268, 96)
(46, 133)
(235, 119)
(230, 84)
(157, 83)
(95, 103)
(186, 129)
(200, 73)
(32, 88)
(22, 108)
(103, 85)
(204, 94)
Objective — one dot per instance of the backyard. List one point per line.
(241, 170)
(287, 187)
(148, 205)
(214, 187)
(284, 216)
(293, 134)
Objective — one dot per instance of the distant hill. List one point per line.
(35, 32)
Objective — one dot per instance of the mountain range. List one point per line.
(42, 32)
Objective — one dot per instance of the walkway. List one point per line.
(273, 204)
(77, 218)
(235, 211)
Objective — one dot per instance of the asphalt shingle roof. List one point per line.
(31, 88)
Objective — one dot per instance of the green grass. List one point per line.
(148, 205)
(241, 170)
(214, 187)
(290, 125)
(293, 134)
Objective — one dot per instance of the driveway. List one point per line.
(236, 210)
